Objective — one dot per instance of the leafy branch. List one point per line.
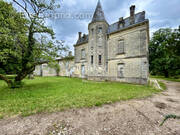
(171, 116)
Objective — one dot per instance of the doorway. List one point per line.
(82, 71)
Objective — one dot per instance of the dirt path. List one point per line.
(134, 117)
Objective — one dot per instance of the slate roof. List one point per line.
(139, 17)
(98, 14)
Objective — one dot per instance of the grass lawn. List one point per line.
(50, 94)
(168, 79)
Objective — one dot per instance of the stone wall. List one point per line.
(135, 57)
(77, 52)
(97, 45)
(67, 68)
(135, 42)
(44, 70)
(135, 69)
(130, 66)
(79, 61)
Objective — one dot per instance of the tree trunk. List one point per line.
(27, 58)
(24, 73)
(4, 78)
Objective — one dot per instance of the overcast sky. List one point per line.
(161, 13)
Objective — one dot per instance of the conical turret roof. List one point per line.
(98, 14)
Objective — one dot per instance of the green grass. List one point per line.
(51, 94)
(168, 79)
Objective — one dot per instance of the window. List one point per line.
(120, 70)
(91, 59)
(83, 55)
(100, 30)
(120, 47)
(92, 30)
(99, 60)
(106, 66)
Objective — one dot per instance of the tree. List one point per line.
(13, 29)
(164, 52)
(28, 50)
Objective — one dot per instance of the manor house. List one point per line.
(114, 52)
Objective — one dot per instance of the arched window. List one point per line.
(120, 70)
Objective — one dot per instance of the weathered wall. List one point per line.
(135, 39)
(78, 70)
(77, 52)
(135, 58)
(45, 70)
(67, 67)
(97, 45)
(79, 61)
(135, 70)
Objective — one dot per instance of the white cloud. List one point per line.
(161, 13)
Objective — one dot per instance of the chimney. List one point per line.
(121, 19)
(80, 35)
(132, 10)
(132, 13)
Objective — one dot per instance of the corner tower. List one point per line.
(97, 45)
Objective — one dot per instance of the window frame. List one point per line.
(99, 59)
(92, 59)
(121, 47)
(120, 73)
(100, 29)
(83, 51)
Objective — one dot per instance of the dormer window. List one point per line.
(121, 23)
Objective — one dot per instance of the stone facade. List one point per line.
(116, 52)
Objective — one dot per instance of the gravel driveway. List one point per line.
(133, 117)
